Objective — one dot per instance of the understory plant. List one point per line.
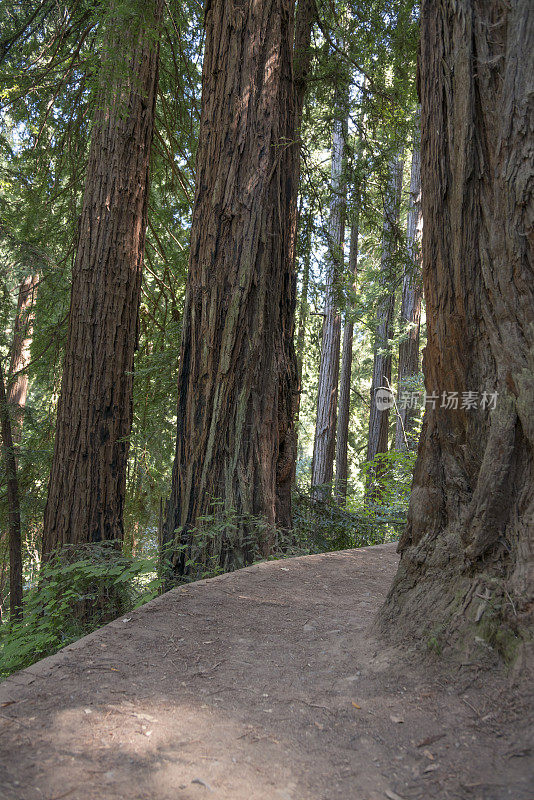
(79, 589)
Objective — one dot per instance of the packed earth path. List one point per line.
(269, 683)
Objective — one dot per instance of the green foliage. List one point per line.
(324, 525)
(79, 589)
(390, 475)
(53, 63)
(222, 541)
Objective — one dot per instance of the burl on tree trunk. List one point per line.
(88, 475)
(468, 551)
(239, 297)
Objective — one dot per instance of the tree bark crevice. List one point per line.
(88, 475)
(471, 516)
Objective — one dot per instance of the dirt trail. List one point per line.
(265, 684)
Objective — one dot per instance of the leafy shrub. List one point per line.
(222, 541)
(79, 589)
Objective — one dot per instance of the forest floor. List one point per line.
(264, 684)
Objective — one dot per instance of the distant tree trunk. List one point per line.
(13, 404)
(467, 565)
(240, 291)
(88, 476)
(412, 291)
(379, 417)
(289, 380)
(303, 310)
(325, 426)
(15, 542)
(342, 437)
(17, 389)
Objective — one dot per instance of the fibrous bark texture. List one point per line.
(342, 437)
(412, 290)
(324, 442)
(379, 417)
(289, 374)
(17, 389)
(88, 476)
(240, 293)
(468, 550)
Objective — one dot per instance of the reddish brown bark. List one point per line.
(468, 551)
(87, 481)
(289, 380)
(17, 389)
(240, 290)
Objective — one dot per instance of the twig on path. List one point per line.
(470, 706)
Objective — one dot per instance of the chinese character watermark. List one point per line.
(466, 401)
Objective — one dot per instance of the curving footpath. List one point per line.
(263, 684)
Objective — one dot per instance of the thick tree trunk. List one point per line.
(379, 417)
(324, 442)
(289, 375)
(412, 291)
(15, 542)
(468, 551)
(17, 389)
(342, 437)
(88, 476)
(240, 292)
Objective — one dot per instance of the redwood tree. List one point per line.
(412, 291)
(467, 555)
(342, 437)
(378, 417)
(324, 442)
(17, 389)
(13, 503)
(289, 368)
(240, 289)
(88, 475)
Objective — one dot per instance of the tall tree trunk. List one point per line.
(304, 310)
(324, 442)
(17, 389)
(379, 416)
(88, 476)
(240, 290)
(15, 542)
(412, 291)
(342, 438)
(13, 404)
(467, 564)
(289, 381)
